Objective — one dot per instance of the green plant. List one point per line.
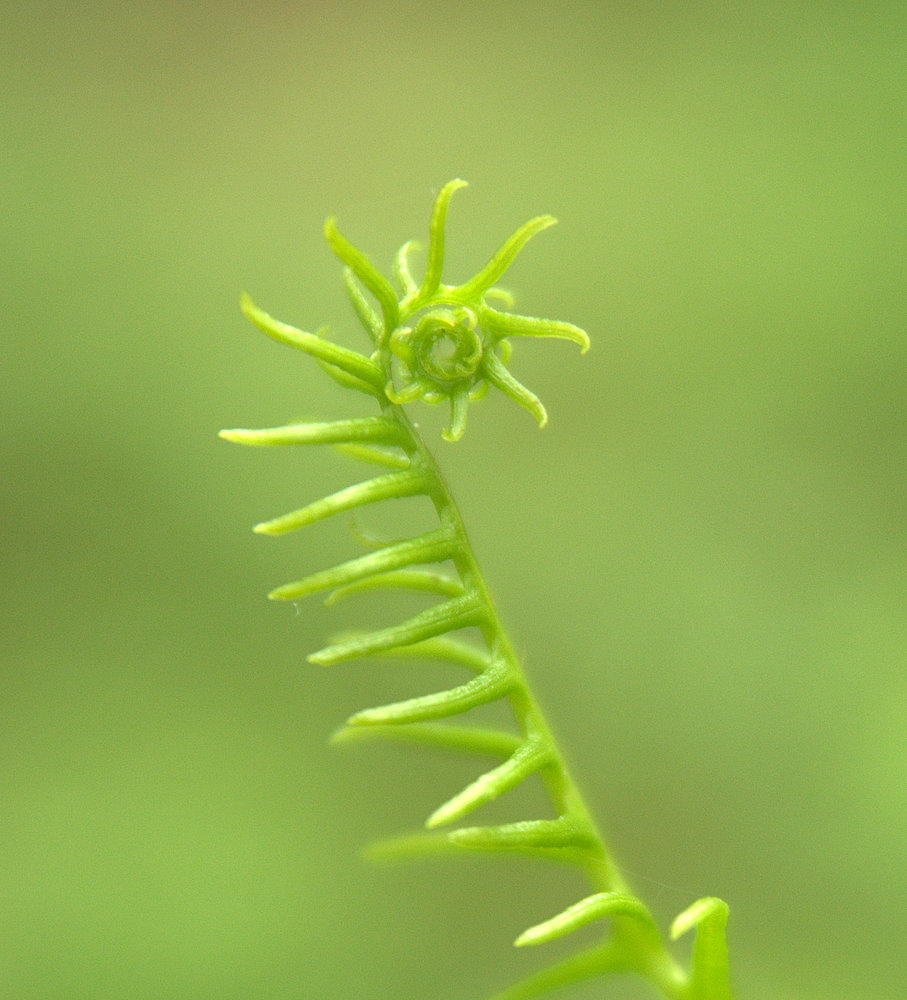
(447, 342)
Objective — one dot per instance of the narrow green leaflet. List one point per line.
(565, 831)
(401, 269)
(451, 650)
(348, 381)
(361, 305)
(394, 484)
(404, 579)
(595, 907)
(587, 965)
(526, 760)
(504, 324)
(710, 977)
(354, 364)
(377, 429)
(457, 613)
(498, 375)
(435, 262)
(365, 270)
(435, 546)
(487, 686)
(504, 257)
(459, 403)
(488, 742)
(377, 456)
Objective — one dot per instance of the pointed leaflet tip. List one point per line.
(236, 435)
(354, 431)
(351, 362)
(459, 404)
(408, 847)
(499, 376)
(526, 760)
(492, 271)
(410, 482)
(435, 263)
(459, 612)
(563, 832)
(709, 908)
(506, 324)
(433, 546)
(709, 974)
(595, 907)
(486, 687)
(366, 271)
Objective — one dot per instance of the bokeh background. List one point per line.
(702, 557)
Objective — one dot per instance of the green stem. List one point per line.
(644, 952)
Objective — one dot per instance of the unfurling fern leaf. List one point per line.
(435, 341)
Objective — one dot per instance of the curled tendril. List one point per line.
(443, 356)
(436, 341)
(445, 348)
(432, 341)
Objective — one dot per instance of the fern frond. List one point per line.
(376, 456)
(434, 546)
(404, 579)
(435, 263)
(366, 272)
(361, 305)
(352, 363)
(355, 431)
(595, 907)
(488, 686)
(440, 341)
(394, 484)
(401, 268)
(529, 757)
(709, 978)
(504, 257)
(489, 742)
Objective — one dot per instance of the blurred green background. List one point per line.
(702, 556)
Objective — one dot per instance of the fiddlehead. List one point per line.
(434, 341)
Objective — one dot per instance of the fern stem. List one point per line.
(642, 946)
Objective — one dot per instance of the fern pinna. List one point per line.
(435, 341)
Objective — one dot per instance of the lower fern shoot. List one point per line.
(440, 342)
